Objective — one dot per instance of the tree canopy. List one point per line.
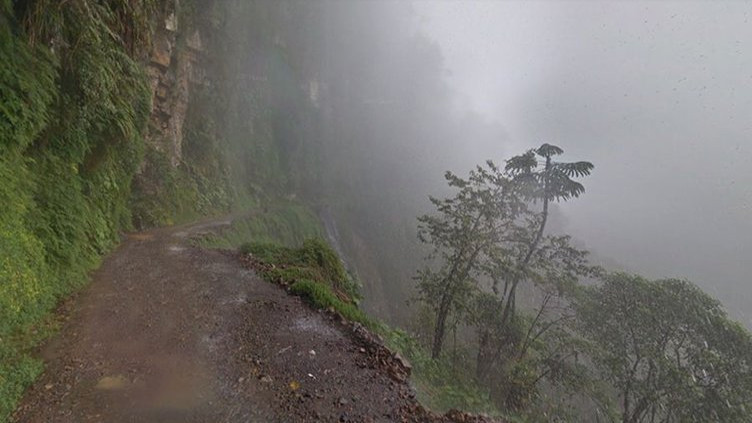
(668, 349)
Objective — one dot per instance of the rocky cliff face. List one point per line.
(176, 64)
(180, 177)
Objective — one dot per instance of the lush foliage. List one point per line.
(294, 125)
(441, 384)
(73, 108)
(663, 350)
(669, 350)
(323, 297)
(465, 236)
(313, 263)
(486, 241)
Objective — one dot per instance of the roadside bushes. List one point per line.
(311, 264)
(73, 110)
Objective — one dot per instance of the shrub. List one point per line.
(315, 261)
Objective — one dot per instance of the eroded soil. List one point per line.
(167, 332)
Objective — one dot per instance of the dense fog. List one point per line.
(655, 94)
(537, 211)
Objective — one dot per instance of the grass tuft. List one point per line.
(314, 261)
(313, 272)
(322, 297)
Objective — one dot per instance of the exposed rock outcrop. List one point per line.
(176, 64)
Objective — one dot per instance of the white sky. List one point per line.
(658, 95)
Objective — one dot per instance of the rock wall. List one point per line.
(181, 176)
(175, 66)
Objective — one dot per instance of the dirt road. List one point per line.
(167, 332)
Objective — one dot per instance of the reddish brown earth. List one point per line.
(167, 332)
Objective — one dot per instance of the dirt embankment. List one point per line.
(171, 333)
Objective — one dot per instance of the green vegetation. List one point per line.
(661, 350)
(441, 384)
(75, 165)
(487, 243)
(313, 263)
(199, 185)
(72, 122)
(283, 222)
(668, 350)
(315, 273)
(290, 129)
(323, 297)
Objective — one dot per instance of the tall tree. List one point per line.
(540, 179)
(489, 231)
(464, 234)
(549, 265)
